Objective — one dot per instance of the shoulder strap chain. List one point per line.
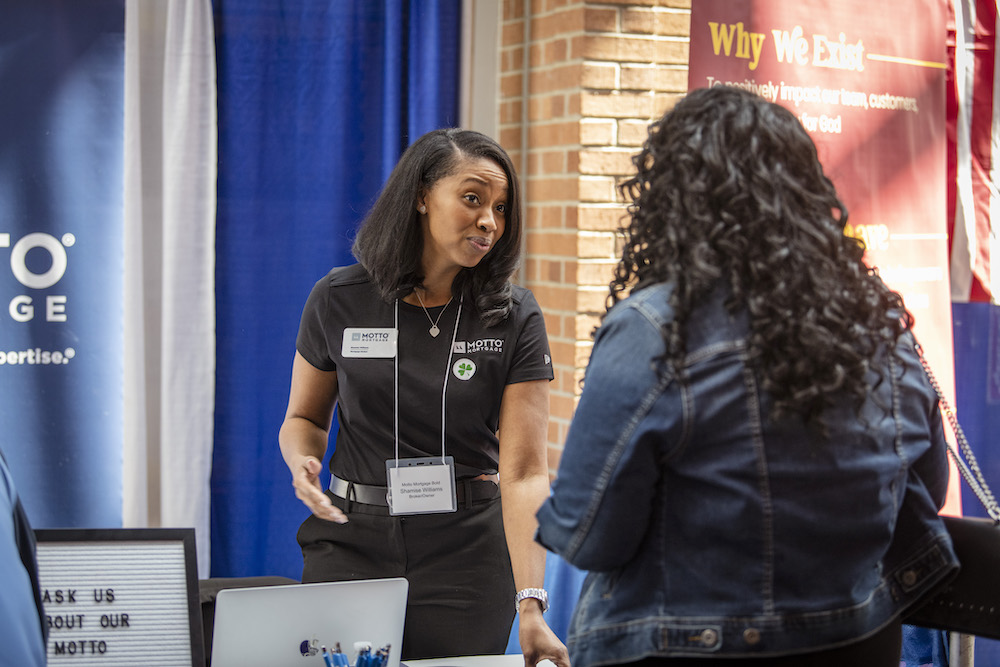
(971, 471)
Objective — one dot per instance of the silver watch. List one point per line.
(537, 593)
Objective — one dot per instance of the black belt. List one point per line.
(467, 491)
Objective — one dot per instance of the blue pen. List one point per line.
(364, 652)
(326, 658)
(339, 659)
(382, 655)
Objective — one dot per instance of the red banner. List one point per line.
(867, 81)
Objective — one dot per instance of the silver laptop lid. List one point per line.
(279, 626)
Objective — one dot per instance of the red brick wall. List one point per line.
(579, 83)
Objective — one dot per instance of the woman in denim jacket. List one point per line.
(757, 460)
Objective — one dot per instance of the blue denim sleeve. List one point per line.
(601, 502)
(923, 431)
(20, 632)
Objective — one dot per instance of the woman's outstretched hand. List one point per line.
(308, 489)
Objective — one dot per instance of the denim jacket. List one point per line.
(710, 529)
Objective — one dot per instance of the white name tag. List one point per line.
(421, 485)
(374, 342)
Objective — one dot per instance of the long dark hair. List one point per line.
(729, 191)
(390, 242)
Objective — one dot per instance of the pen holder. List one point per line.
(365, 656)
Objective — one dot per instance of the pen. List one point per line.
(338, 658)
(364, 653)
(327, 658)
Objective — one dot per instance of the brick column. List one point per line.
(580, 81)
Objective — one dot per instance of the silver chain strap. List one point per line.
(971, 471)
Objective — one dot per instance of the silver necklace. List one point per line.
(433, 331)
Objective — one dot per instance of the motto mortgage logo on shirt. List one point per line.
(494, 345)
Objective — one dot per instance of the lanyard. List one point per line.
(444, 383)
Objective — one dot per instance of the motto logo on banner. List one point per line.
(867, 81)
(22, 309)
(61, 259)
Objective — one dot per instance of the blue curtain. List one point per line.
(977, 405)
(317, 100)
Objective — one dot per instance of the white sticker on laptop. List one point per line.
(372, 342)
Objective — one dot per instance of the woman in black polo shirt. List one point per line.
(431, 356)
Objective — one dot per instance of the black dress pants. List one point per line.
(461, 588)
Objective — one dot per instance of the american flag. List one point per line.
(973, 140)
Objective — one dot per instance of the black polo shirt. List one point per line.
(483, 363)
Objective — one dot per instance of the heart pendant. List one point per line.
(434, 331)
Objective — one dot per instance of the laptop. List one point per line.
(288, 626)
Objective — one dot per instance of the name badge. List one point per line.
(421, 485)
(374, 343)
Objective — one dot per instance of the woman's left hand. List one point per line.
(537, 640)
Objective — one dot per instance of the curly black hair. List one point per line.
(389, 242)
(729, 191)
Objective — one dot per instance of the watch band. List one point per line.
(537, 593)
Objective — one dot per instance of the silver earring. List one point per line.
(422, 209)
